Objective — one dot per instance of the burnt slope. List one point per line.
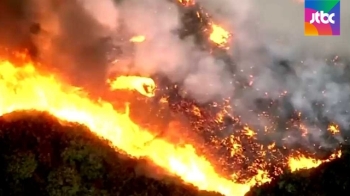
(41, 156)
(330, 178)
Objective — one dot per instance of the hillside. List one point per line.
(330, 178)
(40, 155)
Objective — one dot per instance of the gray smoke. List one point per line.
(269, 44)
(314, 77)
(163, 52)
(76, 36)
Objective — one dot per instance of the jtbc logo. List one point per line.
(324, 17)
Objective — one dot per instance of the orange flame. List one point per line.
(219, 36)
(145, 86)
(24, 88)
(138, 39)
(334, 129)
(303, 162)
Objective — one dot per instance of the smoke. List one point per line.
(163, 52)
(316, 82)
(270, 44)
(67, 36)
(81, 37)
(104, 12)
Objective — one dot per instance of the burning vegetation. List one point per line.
(42, 155)
(206, 144)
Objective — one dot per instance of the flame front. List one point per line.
(303, 162)
(145, 86)
(24, 88)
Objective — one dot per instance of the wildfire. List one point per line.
(24, 88)
(333, 129)
(145, 86)
(219, 36)
(249, 132)
(303, 162)
(244, 149)
(138, 39)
